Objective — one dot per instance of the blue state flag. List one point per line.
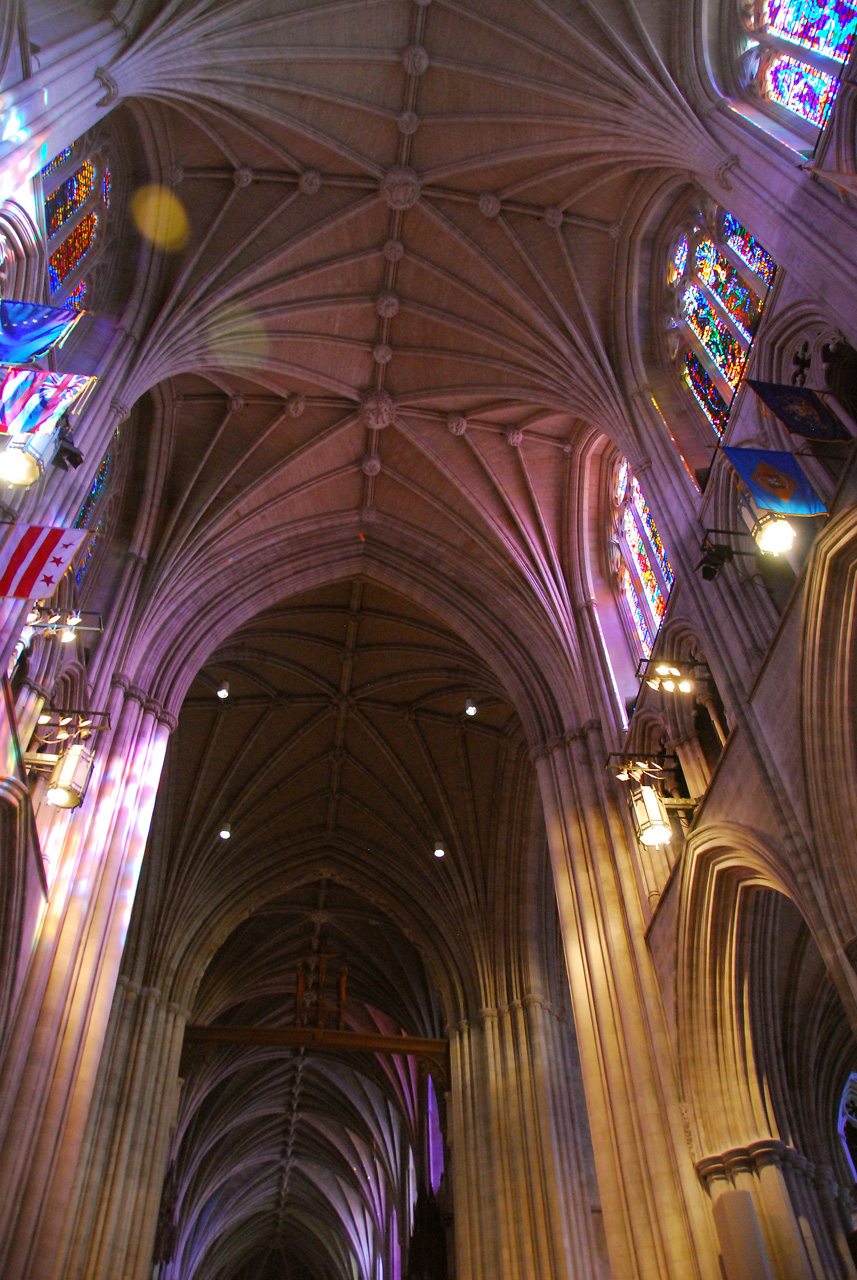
(28, 330)
(801, 411)
(776, 481)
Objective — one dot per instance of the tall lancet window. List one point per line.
(76, 189)
(643, 573)
(795, 53)
(719, 276)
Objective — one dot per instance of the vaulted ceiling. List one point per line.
(371, 365)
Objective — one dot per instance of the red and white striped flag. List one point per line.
(34, 558)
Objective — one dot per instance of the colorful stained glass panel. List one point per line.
(69, 197)
(86, 554)
(94, 494)
(622, 480)
(626, 586)
(105, 186)
(799, 88)
(826, 26)
(743, 305)
(714, 334)
(705, 392)
(76, 300)
(679, 260)
(654, 595)
(72, 250)
(748, 249)
(56, 163)
(642, 509)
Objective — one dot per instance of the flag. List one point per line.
(801, 411)
(34, 558)
(34, 400)
(28, 330)
(776, 481)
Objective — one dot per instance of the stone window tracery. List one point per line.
(719, 277)
(76, 187)
(642, 572)
(794, 52)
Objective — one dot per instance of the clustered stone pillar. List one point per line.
(518, 1178)
(656, 1221)
(50, 1066)
(113, 1213)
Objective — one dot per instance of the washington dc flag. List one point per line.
(34, 558)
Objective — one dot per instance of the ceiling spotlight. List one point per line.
(66, 719)
(669, 685)
(67, 453)
(62, 734)
(75, 618)
(45, 717)
(226, 831)
(223, 689)
(67, 635)
(53, 618)
(685, 686)
(34, 615)
(773, 533)
(439, 850)
(469, 708)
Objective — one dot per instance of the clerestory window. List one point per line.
(719, 277)
(794, 54)
(76, 189)
(643, 574)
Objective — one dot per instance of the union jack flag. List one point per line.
(33, 399)
(34, 558)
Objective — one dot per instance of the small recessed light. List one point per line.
(470, 707)
(439, 850)
(223, 690)
(226, 831)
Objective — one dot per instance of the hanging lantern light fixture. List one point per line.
(650, 815)
(70, 777)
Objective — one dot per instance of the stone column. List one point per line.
(110, 1226)
(49, 1072)
(520, 1205)
(657, 1223)
(66, 97)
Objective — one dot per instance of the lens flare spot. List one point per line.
(160, 217)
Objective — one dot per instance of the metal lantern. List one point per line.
(650, 816)
(70, 777)
(26, 455)
(773, 533)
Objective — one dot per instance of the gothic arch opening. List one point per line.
(341, 756)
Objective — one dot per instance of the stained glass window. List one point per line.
(69, 197)
(679, 261)
(786, 76)
(72, 250)
(86, 555)
(825, 26)
(742, 304)
(720, 305)
(799, 88)
(644, 574)
(95, 491)
(76, 300)
(105, 187)
(57, 162)
(641, 624)
(642, 509)
(707, 396)
(714, 334)
(748, 249)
